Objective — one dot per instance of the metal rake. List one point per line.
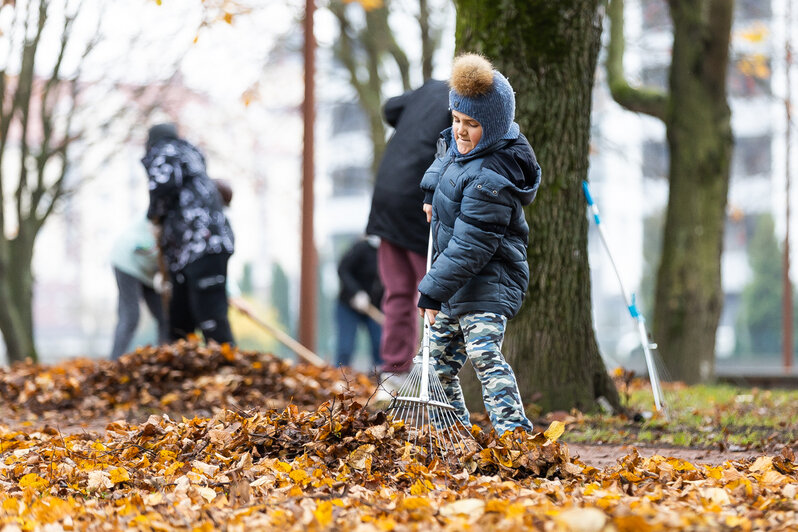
(421, 403)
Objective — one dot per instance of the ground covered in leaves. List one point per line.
(293, 447)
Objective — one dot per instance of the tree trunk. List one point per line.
(548, 51)
(16, 299)
(689, 296)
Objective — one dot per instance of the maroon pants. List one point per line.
(400, 271)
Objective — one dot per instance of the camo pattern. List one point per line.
(478, 336)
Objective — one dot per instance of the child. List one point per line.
(475, 191)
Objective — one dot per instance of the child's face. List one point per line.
(466, 132)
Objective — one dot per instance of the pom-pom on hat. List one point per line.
(485, 95)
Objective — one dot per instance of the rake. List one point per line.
(422, 405)
(653, 375)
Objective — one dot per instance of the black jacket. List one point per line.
(418, 117)
(479, 230)
(358, 271)
(186, 203)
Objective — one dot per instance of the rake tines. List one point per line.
(421, 403)
(432, 423)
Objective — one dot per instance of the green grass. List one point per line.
(705, 416)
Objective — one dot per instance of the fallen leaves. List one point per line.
(334, 465)
(184, 378)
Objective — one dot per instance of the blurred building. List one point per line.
(629, 166)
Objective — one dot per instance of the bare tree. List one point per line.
(370, 49)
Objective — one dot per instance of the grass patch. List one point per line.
(703, 416)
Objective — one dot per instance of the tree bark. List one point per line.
(548, 51)
(688, 293)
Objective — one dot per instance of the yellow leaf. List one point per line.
(283, 467)
(32, 480)
(418, 488)
(298, 475)
(385, 523)
(119, 475)
(228, 17)
(323, 513)
(13, 506)
(172, 468)
(555, 430)
(414, 503)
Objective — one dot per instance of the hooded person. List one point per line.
(418, 116)
(195, 240)
(475, 193)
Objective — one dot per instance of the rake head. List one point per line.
(431, 420)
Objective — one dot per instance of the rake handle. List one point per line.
(425, 338)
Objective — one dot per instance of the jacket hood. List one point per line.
(513, 158)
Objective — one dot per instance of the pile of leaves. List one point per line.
(185, 378)
(340, 467)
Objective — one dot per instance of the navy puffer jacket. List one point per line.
(479, 231)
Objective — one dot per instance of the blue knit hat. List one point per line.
(485, 95)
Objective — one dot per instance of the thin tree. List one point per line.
(48, 116)
(370, 51)
(548, 50)
(688, 294)
(36, 113)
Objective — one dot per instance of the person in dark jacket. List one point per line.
(475, 193)
(195, 239)
(358, 300)
(418, 116)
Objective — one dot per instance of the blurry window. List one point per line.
(752, 9)
(655, 15)
(749, 76)
(655, 159)
(351, 181)
(348, 117)
(655, 77)
(751, 156)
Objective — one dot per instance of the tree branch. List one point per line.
(22, 100)
(640, 100)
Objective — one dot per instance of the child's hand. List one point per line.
(428, 211)
(430, 314)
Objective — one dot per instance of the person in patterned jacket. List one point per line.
(475, 193)
(195, 239)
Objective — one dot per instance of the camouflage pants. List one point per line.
(478, 336)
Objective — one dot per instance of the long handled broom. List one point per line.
(421, 403)
(653, 374)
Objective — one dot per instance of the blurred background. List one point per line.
(230, 74)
